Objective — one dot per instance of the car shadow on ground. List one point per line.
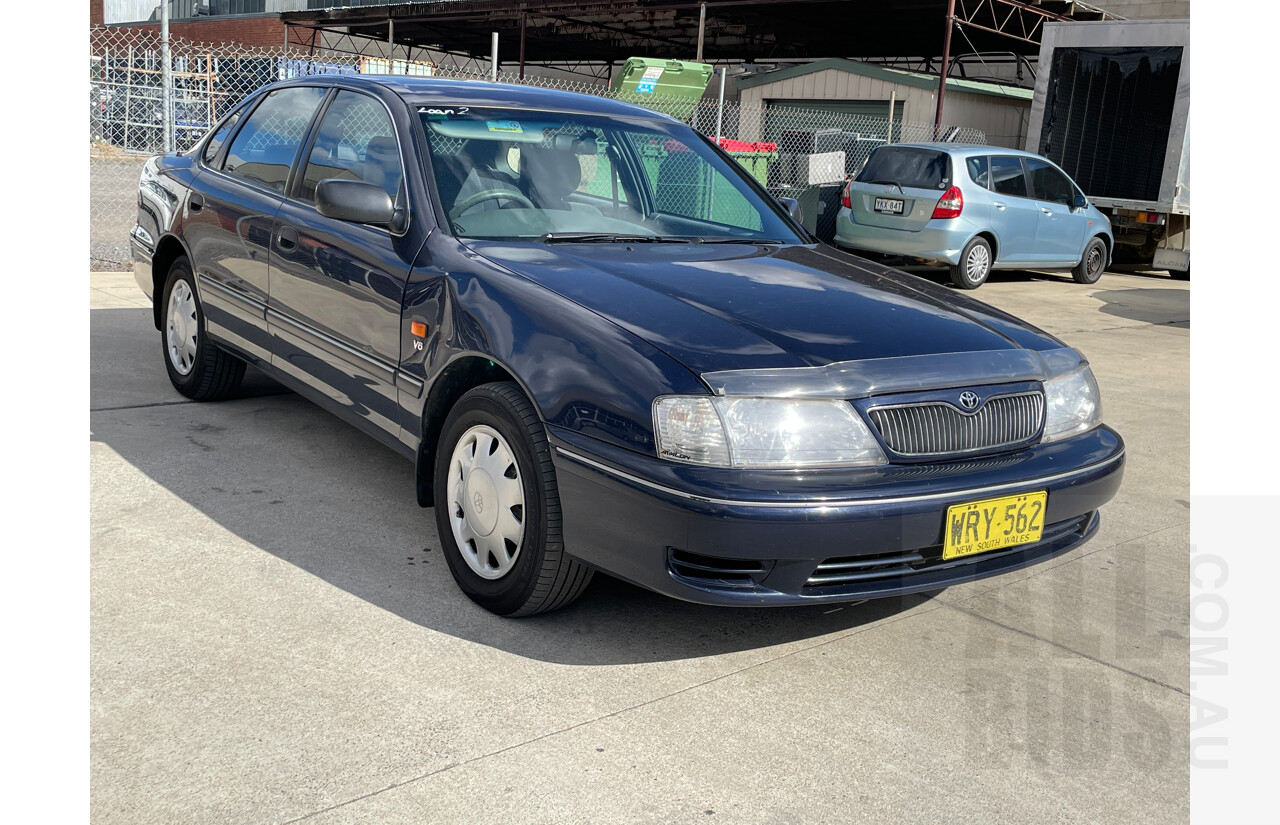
(292, 480)
(1166, 307)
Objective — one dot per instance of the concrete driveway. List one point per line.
(276, 637)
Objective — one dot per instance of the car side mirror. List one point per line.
(1080, 202)
(793, 208)
(356, 201)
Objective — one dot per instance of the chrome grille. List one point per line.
(937, 428)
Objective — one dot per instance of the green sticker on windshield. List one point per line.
(510, 126)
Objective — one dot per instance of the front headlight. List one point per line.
(763, 432)
(1073, 404)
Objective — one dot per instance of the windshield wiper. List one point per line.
(757, 241)
(889, 182)
(605, 237)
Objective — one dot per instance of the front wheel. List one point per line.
(1094, 260)
(974, 266)
(498, 507)
(197, 367)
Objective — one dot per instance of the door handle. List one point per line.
(1046, 211)
(196, 202)
(287, 237)
(998, 205)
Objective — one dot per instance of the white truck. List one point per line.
(1112, 107)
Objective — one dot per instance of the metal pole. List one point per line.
(702, 29)
(391, 43)
(493, 52)
(166, 77)
(946, 64)
(893, 100)
(720, 108)
(524, 19)
(286, 39)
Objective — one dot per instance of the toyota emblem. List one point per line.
(969, 400)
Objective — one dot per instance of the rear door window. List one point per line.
(979, 171)
(211, 148)
(264, 148)
(908, 167)
(1007, 177)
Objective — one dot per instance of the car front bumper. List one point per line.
(759, 539)
(143, 249)
(938, 240)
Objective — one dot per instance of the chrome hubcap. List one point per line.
(181, 330)
(976, 264)
(486, 502)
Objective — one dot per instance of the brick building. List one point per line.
(252, 29)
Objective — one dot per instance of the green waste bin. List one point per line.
(754, 157)
(672, 87)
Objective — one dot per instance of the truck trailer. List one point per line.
(1112, 107)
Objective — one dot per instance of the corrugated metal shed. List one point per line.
(1000, 111)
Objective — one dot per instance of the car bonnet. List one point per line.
(806, 311)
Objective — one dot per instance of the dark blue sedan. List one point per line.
(605, 347)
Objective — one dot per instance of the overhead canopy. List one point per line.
(613, 30)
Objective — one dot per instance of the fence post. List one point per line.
(893, 101)
(166, 77)
(720, 107)
(493, 51)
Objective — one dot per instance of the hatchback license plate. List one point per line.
(891, 205)
(993, 524)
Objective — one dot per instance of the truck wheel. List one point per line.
(498, 507)
(1092, 263)
(1180, 274)
(974, 266)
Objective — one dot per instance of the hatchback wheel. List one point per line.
(1094, 260)
(974, 266)
(498, 507)
(197, 367)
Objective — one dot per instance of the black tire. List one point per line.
(1180, 274)
(542, 577)
(972, 272)
(1092, 263)
(212, 372)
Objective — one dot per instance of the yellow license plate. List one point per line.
(993, 524)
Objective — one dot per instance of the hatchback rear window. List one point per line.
(908, 166)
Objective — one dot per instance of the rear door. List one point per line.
(232, 209)
(1014, 213)
(336, 286)
(899, 187)
(1060, 231)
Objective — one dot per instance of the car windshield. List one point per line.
(908, 166)
(572, 178)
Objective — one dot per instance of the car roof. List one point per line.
(963, 150)
(480, 93)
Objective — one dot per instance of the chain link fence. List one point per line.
(797, 153)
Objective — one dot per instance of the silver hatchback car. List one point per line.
(975, 209)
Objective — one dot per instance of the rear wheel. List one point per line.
(197, 367)
(498, 507)
(1094, 260)
(974, 266)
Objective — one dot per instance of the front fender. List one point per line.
(581, 371)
